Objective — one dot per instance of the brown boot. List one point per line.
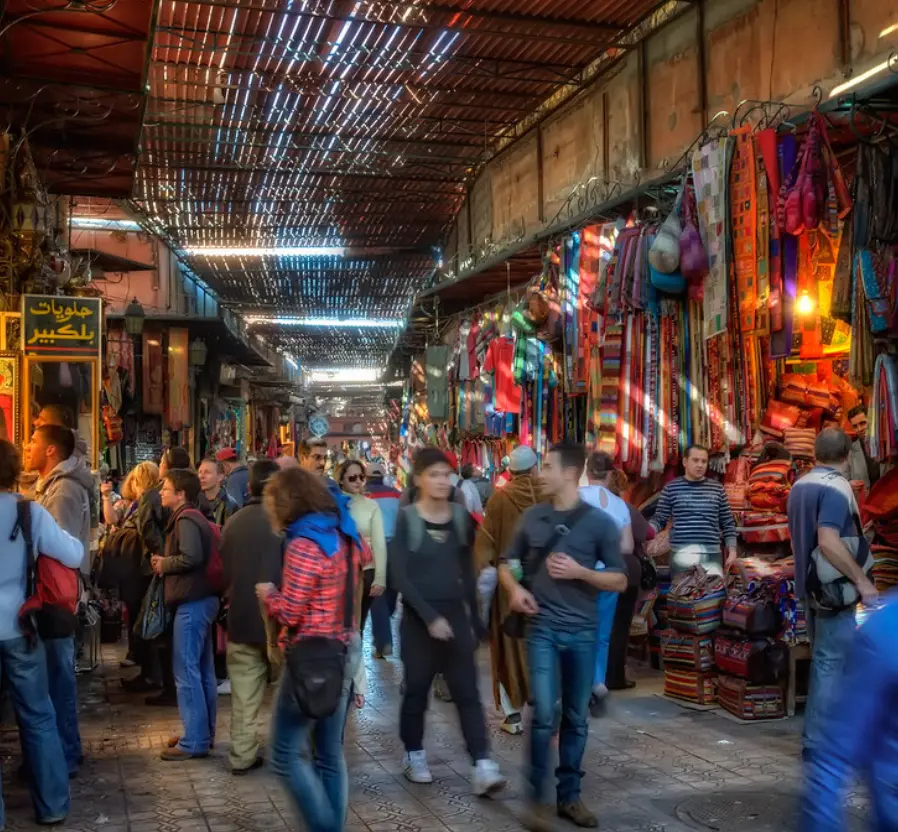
(537, 818)
(578, 815)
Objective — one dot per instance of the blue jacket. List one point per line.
(237, 485)
(388, 500)
(861, 731)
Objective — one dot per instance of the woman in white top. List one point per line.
(599, 469)
(369, 521)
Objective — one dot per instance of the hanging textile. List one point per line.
(744, 225)
(762, 207)
(883, 438)
(610, 376)
(153, 374)
(766, 142)
(710, 174)
(178, 410)
(781, 341)
(437, 383)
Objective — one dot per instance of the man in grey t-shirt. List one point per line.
(557, 591)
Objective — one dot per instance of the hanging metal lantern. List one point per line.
(198, 352)
(134, 319)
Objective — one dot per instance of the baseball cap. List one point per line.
(226, 455)
(522, 458)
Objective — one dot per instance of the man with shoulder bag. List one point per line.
(193, 576)
(549, 571)
(833, 563)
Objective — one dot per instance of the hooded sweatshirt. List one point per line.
(65, 494)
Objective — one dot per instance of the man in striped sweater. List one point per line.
(701, 517)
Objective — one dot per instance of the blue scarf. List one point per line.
(324, 530)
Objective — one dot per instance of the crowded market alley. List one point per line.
(449, 415)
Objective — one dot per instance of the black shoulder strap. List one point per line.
(23, 523)
(560, 530)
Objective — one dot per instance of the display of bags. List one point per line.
(664, 254)
(684, 650)
(748, 701)
(695, 602)
(762, 661)
(754, 614)
(690, 685)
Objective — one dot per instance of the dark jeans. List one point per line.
(64, 694)
(616, 676)
(831, 640)
(308, 757)
(25, 672)
(382, 610)
(558, 658)
(422, 658)
(367, 581)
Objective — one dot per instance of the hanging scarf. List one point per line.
(781, 341)
(710, 175)
(744, 222)
(762, 205)
(767, 147)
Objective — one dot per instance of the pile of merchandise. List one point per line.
(752, 661)
(724, 645)
(881, 508)
(694, 609)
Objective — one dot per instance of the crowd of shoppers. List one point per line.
(547, 572)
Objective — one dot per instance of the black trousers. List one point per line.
(422, 658)
(616, 676)
(132, 589)
(367, 582)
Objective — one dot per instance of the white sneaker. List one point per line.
(487, 778)
(416, 768)
(224, 688)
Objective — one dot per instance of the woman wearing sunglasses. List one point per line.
(369, 521)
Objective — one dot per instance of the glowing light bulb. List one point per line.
(805, 304)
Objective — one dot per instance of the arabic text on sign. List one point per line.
(60, 311)
(64, 333)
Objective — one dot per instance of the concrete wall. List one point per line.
(166, 290)
(750, 49)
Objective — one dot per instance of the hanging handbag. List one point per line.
(316, 666)
(693, 258)
(664, 254)
(153, 618)
(648, 578)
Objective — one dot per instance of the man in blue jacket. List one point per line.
(861, 730)
(384, 605)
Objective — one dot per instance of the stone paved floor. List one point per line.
(645, 761)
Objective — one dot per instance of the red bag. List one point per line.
(52, 590)
(214, 566)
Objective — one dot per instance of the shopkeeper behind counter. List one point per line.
(862, 466)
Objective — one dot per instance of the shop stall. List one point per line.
(749, 304)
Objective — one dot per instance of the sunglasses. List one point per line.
(355, 478)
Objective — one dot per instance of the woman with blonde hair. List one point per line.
(125, 551)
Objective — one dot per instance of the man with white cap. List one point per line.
(503, 510)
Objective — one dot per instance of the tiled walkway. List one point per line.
(650, 765)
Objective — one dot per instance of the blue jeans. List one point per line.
(64, 694)
(568, 658)
(831, 639)
(606, 603)
(25, 670)
(382, 609)
(194, 666)
(314, 776)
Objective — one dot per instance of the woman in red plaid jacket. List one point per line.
(322, 542)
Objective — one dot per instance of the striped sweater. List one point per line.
(700, 510)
